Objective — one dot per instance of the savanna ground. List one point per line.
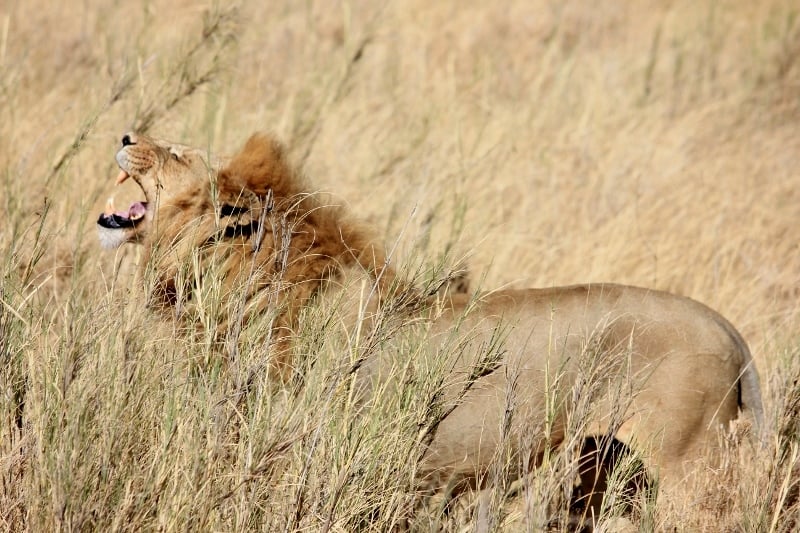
(546, 143)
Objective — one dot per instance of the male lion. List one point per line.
(666, 371)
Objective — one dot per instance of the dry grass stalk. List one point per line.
(653, 144)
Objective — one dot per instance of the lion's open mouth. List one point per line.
(113, 219)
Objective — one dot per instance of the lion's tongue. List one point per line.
(134, 212)
(137, 210)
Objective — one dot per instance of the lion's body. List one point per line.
(677, 369)
(662, 372)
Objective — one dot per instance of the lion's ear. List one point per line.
(249, 184)
(242, 215)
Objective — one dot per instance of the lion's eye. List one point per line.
(175, 156)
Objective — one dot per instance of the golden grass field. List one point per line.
(542, 143)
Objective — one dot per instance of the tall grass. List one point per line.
(654, 144)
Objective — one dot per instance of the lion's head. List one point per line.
(168, 174)
(250, 221)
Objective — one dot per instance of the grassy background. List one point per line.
(651, 143)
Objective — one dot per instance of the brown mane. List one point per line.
(322, 231)
(274, 244)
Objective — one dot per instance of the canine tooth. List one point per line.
(109, 206)
(136, 216)
(122, 176)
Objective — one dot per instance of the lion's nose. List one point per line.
(126, 140)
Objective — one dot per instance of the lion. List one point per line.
(667, 371)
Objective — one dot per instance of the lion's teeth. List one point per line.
(109, 206)
(136, 216)
(122, 176)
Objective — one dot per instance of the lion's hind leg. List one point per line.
(612, 481)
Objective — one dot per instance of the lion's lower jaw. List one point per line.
(111, 238)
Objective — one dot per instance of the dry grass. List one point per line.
(652, 143)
